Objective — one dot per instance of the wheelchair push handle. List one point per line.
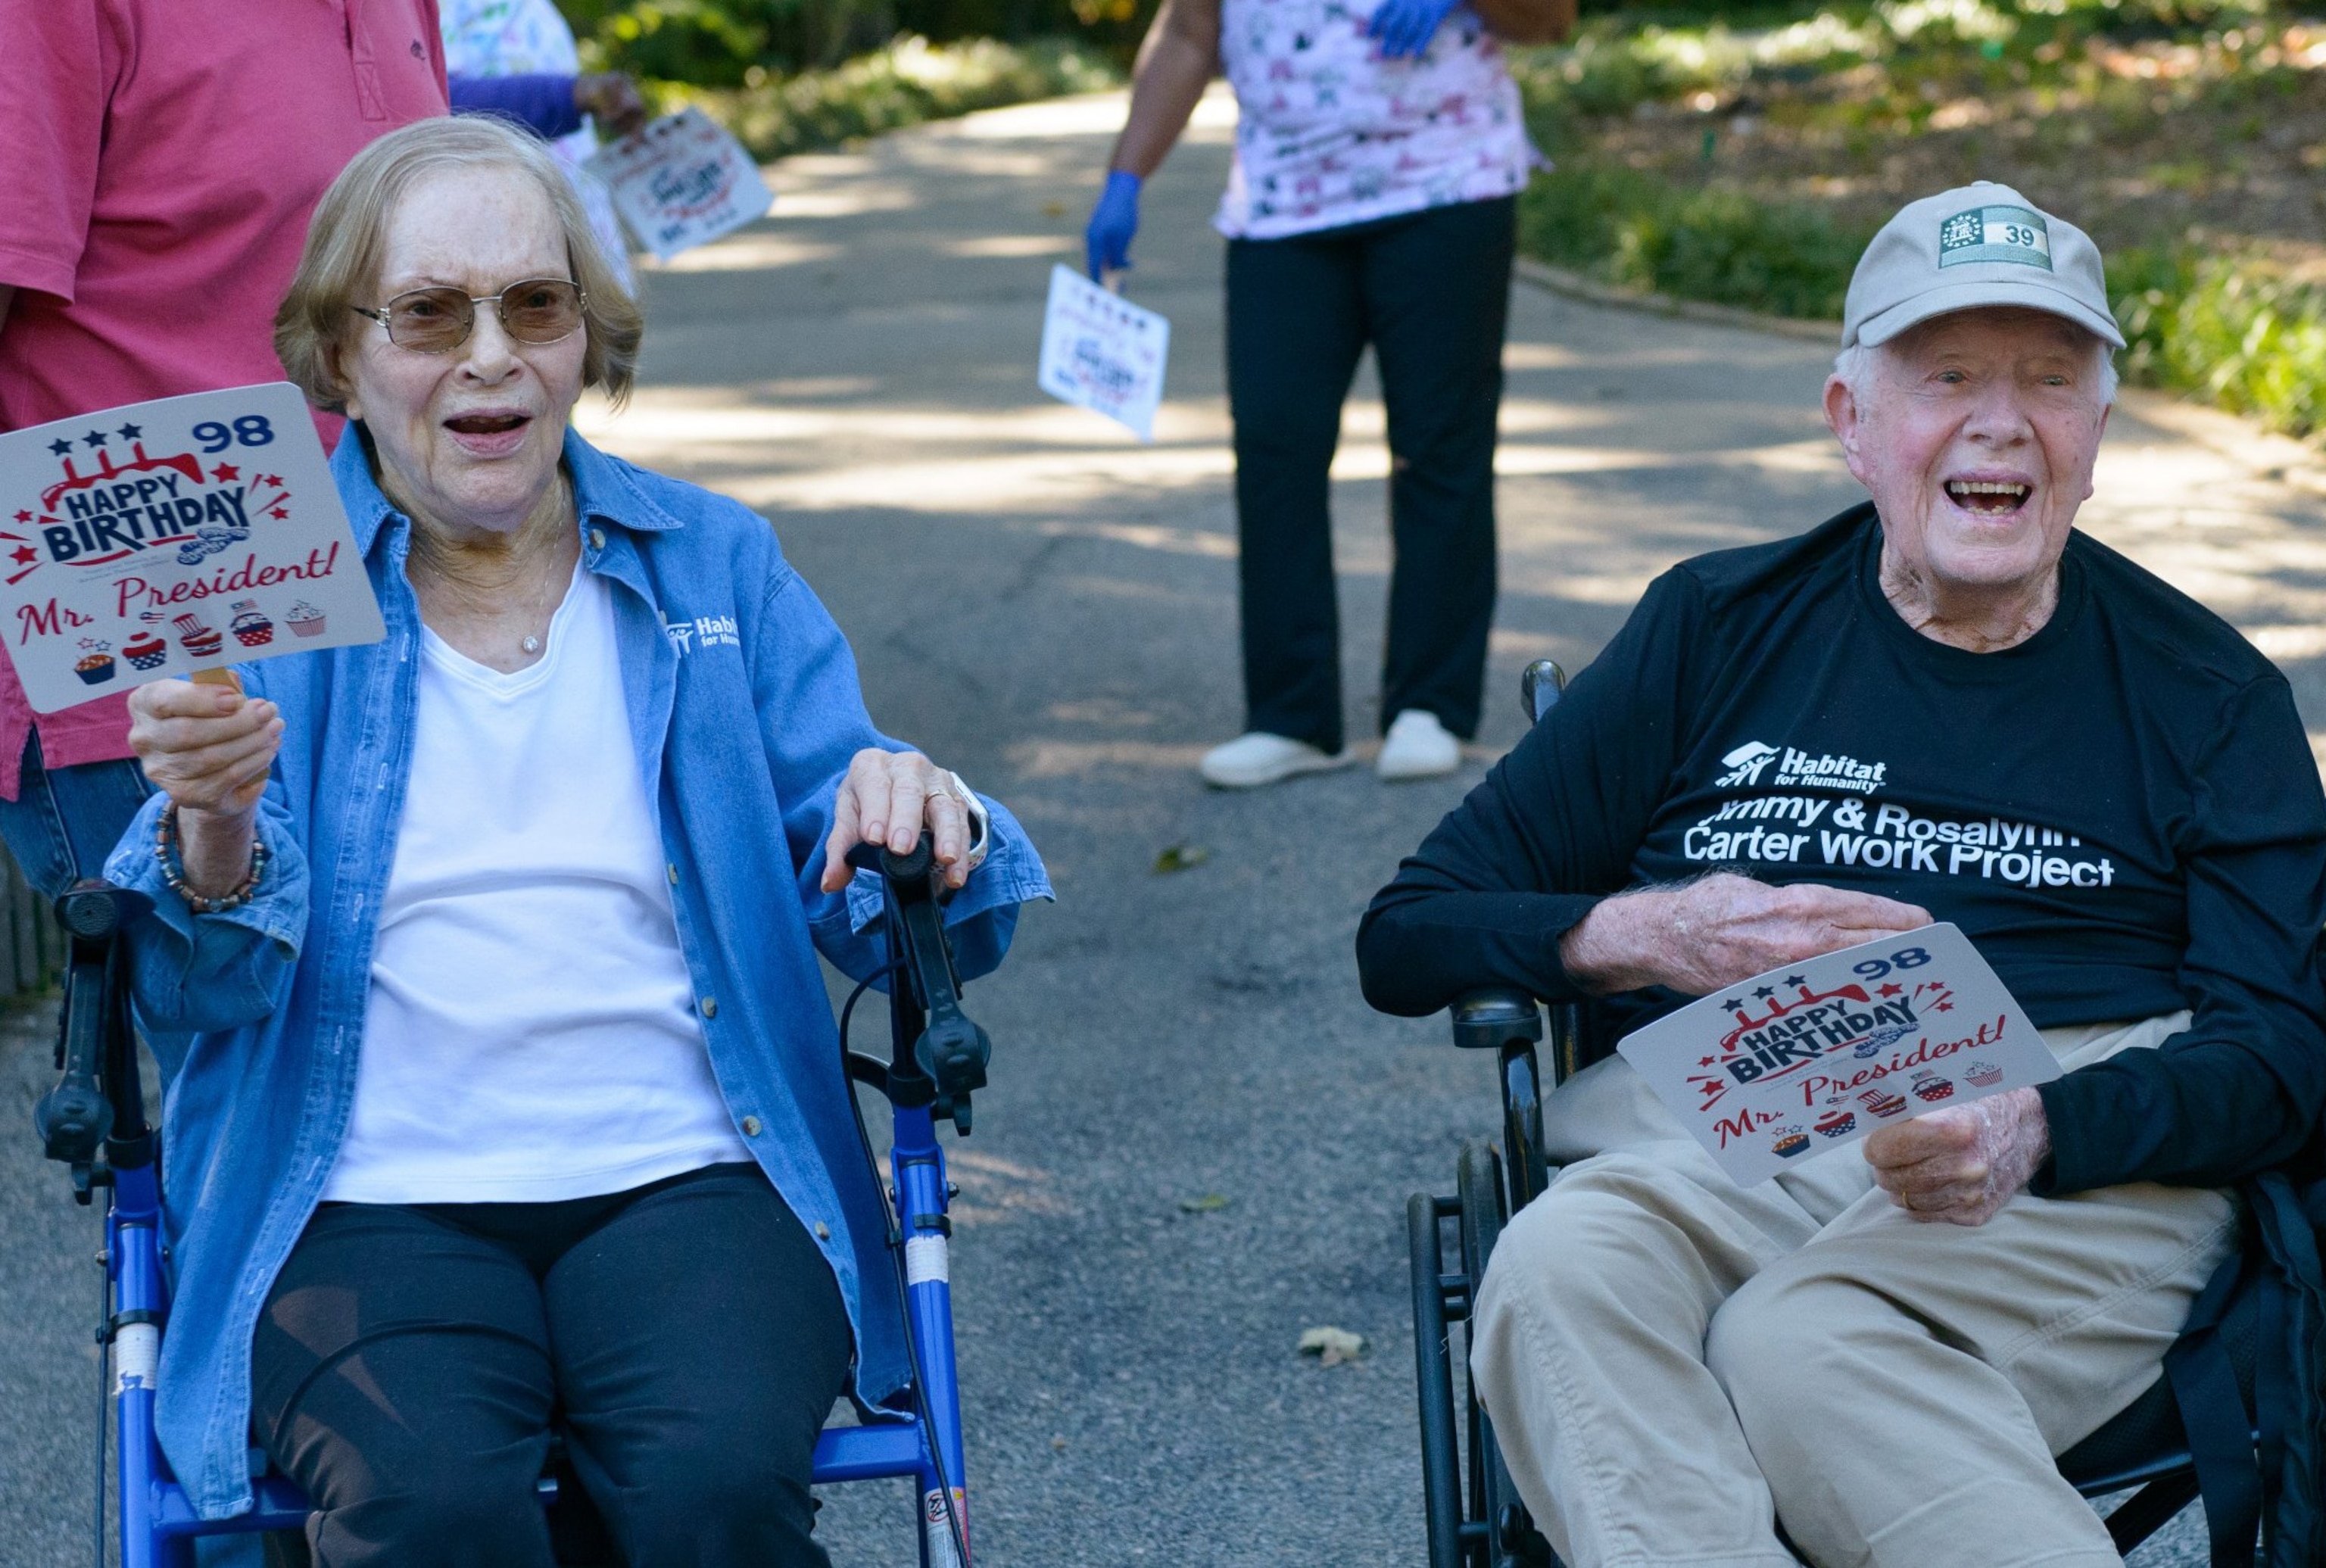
(940, 1054)
(1541, 685)
(97, 1106)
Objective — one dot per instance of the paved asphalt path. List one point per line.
(1199, 1140)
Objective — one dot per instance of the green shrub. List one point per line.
(1643, 233)
(731, 43)
(909, 81)
(2231, 329)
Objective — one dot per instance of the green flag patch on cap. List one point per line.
(1995, 234)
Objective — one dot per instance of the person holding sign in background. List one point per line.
(158, 167)
(1378, 158)
(1947, 703)
(504, 933)
(518, 58)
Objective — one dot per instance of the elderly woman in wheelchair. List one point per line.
(517, 1102)
(1945, 703)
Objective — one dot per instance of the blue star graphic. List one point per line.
(1765, 992)
(130, 432)
(1795, 981)
(1732, 1004)
(94, 437)
(62, 449)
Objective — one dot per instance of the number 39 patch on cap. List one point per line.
(1995, 234)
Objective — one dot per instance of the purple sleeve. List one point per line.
(543, 105)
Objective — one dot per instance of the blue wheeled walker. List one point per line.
(94, 1122)
(1476, 1517)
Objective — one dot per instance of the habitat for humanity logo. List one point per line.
(703, 631)
(1799, 770)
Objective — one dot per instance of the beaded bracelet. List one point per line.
(173, 867)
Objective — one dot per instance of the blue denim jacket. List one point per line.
(744, 709)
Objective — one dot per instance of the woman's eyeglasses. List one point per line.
(439, 321)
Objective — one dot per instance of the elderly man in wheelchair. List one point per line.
(1944, 704)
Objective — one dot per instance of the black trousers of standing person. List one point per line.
(686, 1336)
(1430, 291)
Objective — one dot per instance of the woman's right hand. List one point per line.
(207, 747)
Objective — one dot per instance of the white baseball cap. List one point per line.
(1976, 245)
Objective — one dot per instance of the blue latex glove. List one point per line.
(1112, 223)
(1406, 26)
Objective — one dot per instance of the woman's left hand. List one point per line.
(885, 799)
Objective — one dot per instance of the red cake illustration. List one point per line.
(1839, 1122)
(251, 628)
(1929, 1085)
(144, 651)
(304, 620)
(199, 640)
(1983, 1075)
(1790, 1141)
(1882, 1102)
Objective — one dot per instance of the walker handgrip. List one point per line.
(910, 867)
(75, 1117)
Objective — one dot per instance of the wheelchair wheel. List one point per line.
(1479, 1186)
(1510, 1539)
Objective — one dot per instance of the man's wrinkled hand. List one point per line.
(1963, 1164)
(1701, 936)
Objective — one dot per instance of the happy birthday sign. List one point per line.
(1816, 1056)
(1103, 352)
(166, 537)
(682, 181)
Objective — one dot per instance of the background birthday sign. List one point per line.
(166, 537)
(1818, 1054)
(681, 182)
(1103, 352)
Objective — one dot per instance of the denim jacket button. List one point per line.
(708, 1007)
(750, 1127)
(596, 539)
(823, 1231)
(673, 869)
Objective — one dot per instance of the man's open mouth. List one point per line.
(1994, 496)
(485, 423)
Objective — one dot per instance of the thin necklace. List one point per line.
(552, 591)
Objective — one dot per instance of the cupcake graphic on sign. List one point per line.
(1933, 1086)
(251, 627)
(1839, 1122)
(144, 651)
(196, 638)
(304, 620)
(1790, 1141)
(1983, 1075)
(96, 663)
(1882, 1102)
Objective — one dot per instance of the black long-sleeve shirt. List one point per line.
(2121, 811)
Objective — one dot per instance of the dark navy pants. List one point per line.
(686, 1338)
(1431, 294)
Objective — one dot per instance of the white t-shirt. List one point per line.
(530, 1034)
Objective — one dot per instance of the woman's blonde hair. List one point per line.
(339, 269)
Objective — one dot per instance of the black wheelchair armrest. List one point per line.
(1493, 1016)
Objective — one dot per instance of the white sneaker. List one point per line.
(1256, 758)
(1417, 747)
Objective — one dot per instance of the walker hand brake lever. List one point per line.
(951, 1052)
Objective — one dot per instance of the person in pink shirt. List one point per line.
(158, 163)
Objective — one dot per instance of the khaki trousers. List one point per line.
(1674, 1363)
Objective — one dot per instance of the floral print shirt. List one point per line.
(1330, 134)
